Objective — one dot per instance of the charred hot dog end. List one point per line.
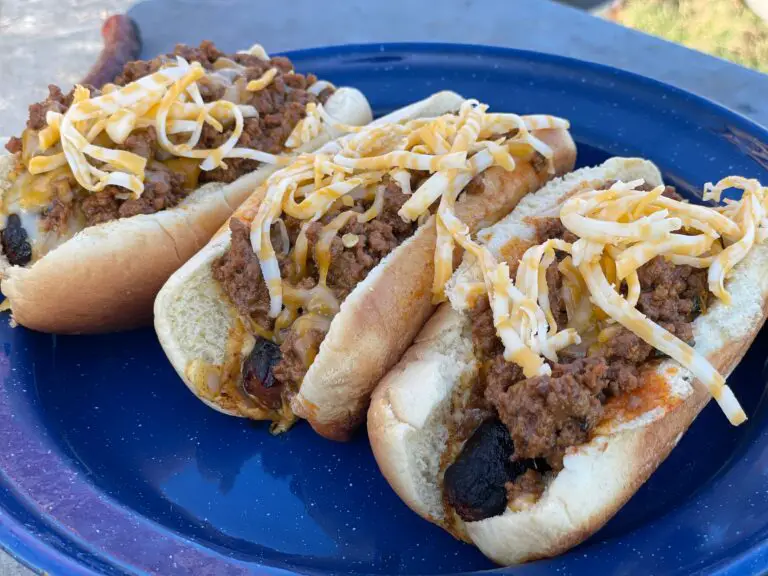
(534, 421)
(475, 483)
(258, 378)
(310, 306)
(15, 242)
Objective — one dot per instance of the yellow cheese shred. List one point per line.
(452, 149)
(603, 294)
(171, 102)
(443, 261)
(326, 237)
(619, 230)
(263, 81)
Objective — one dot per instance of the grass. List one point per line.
(723, 28)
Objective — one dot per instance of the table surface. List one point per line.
(55, 41)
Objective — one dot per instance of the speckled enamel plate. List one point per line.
(109, 465)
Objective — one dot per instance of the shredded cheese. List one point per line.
(618, 230)
(749, 217)
(263, 81)
(300, 251)
(606, 297)
(308, 127)
(49, 135)
(171, 102)
(453, 148)
(323, 246)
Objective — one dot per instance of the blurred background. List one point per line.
(44, 41)
(731, 29)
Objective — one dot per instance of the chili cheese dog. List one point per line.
(110, 189)
(346, 241)
(585, 331)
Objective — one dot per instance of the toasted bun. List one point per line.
(106, 277)
(193, 319)
(407, 420)
(377, 320)
(382, 315)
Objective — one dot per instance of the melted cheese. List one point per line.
(635, 256)
(577, 305)
(169, 100)
(443, 261)
(326, 237)
(318, 300)
(269, 210)
(307, 128)
(300, 251)
(317, 203)
(443, 183)
(453, 148)
(604, 295)
(618, 230)
(405, 159)
(376, 206)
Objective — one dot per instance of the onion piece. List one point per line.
(319, 86)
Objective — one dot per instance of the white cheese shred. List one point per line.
(618, 230)
(328, 189)
(170, 101)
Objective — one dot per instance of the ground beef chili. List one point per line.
(238, 273)
(545, 415)
(281, 105)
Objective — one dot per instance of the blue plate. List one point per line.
(109, 465)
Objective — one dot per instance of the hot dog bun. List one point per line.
(106, 277)
(409, 410)
(193, 320)
(384, 313)
(377, 320)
